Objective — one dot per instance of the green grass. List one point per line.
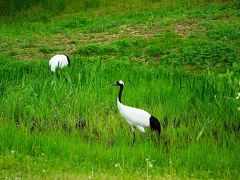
(178, 61)
(47, 108)
(203, 37)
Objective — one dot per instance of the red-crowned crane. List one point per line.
(136, 117)
(59, 61)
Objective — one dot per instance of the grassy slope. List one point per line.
(195, 35)
(136, 41)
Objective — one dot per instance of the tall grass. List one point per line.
(68, 122)
(72, 116)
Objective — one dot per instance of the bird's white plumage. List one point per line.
(134, 116)
(58, 61)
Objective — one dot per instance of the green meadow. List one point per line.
(179, 60)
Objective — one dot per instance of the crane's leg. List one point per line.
(158, 139)
(133, 135)
(133, 138)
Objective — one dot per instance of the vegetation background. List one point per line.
(179, 60)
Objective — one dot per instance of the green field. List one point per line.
(179, 60)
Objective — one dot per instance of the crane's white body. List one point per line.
(134, 116)
(58, 61)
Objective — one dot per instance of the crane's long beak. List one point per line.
(114, 84)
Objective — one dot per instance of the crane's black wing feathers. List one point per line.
(155, 124)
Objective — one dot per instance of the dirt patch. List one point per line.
(146, 30)
(184, 29)
(45, 47)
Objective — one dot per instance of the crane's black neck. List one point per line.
(68, 59)
(120, 93)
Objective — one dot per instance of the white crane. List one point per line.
(136, 117)
(59, 61)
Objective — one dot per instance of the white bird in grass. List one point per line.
(59, 61)
(136, 117)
